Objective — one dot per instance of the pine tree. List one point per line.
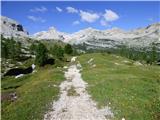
(41, 54)
(33, 48)
(154, 53)
(60, 53)
(57, 51)
(4, 50)
(68, 49)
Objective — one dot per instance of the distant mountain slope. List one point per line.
(110, 38)
(11, 28)
(142, 37)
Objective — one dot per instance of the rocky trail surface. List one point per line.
(74, 102)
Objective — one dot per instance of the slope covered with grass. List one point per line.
(34, 93)
(131, 89)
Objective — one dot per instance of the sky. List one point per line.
(69, 16)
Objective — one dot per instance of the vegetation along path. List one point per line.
(74, 102)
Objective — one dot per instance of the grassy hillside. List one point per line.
(34, 92)
(131, 89)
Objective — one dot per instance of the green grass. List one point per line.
(133, 91)
(35, 92)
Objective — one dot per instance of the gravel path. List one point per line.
(74, 102)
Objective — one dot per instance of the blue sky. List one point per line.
(72, 16)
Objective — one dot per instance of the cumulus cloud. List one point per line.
(40, 9)
(59, 9)
(110, 15)
(76, 22)
(36, 19)
(71, 10)
(88, 17)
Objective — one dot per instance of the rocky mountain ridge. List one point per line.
(92, 38)
(11, 28)
(142, 37)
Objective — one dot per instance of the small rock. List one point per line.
(123, 118)
(116, 63)
(11, 65)
(34, 71)
(73, 59)
(94, 65)
(125, 61)
(138, 63)
(90, 60)
(65, 67)
(79, 65)
(18, 76)
(33, 66)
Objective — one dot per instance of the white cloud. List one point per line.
(40, 9)
(76, 22)
(103, 22)
(71, 10)
(36, 19)
(59, 9)
(88, 17)
(110, 15)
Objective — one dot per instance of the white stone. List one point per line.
(73, 59)
(33, 66)
(20, 75)
(123, 118)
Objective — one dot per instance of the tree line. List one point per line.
(10, 49)
(56, 51)
(149, 55)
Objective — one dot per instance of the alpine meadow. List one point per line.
(80, 60)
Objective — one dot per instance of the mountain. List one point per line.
(52, 33)
(92, 38)
(11, 28)
(142, 37)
